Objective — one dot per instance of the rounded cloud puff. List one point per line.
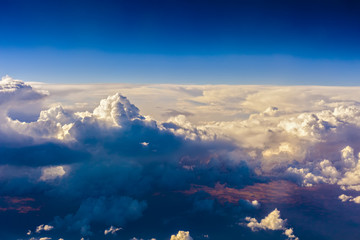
(181, 235)
(117, 110)
(273, 221)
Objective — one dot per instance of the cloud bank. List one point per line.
(226, 151)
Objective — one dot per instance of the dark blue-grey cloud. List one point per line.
(102, 211)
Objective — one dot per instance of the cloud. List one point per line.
(181, 235)
(107, 210)
(290, 233)
(145, 144)
(112, 230)
(273, 137)
(16, 90)
(98, 185)
(346, 173)
(117, 110)
(271, 222)
(356, 200)
(347, 155)
(99, 165)
(20, 98)
(345, 198)
(255, 203)
(51, 173)
(274, 140)
(43, 227)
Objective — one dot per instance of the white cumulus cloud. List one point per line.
(345, 198)
(273, 221)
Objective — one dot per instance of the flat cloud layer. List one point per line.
(92, 159)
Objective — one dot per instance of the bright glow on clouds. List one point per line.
(181, 235)
(271, 222)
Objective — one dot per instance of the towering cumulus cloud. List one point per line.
(109, 170)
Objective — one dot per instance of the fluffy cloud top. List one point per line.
(345, 198)
(117, 110)
(181, 235)
(273, 221)
(346, 173)
(17, 90)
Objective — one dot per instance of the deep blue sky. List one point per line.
(244, 42)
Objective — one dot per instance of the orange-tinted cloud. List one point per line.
(19, 204)
(275, 192)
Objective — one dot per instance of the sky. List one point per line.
(232, 42)
(179, 120)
